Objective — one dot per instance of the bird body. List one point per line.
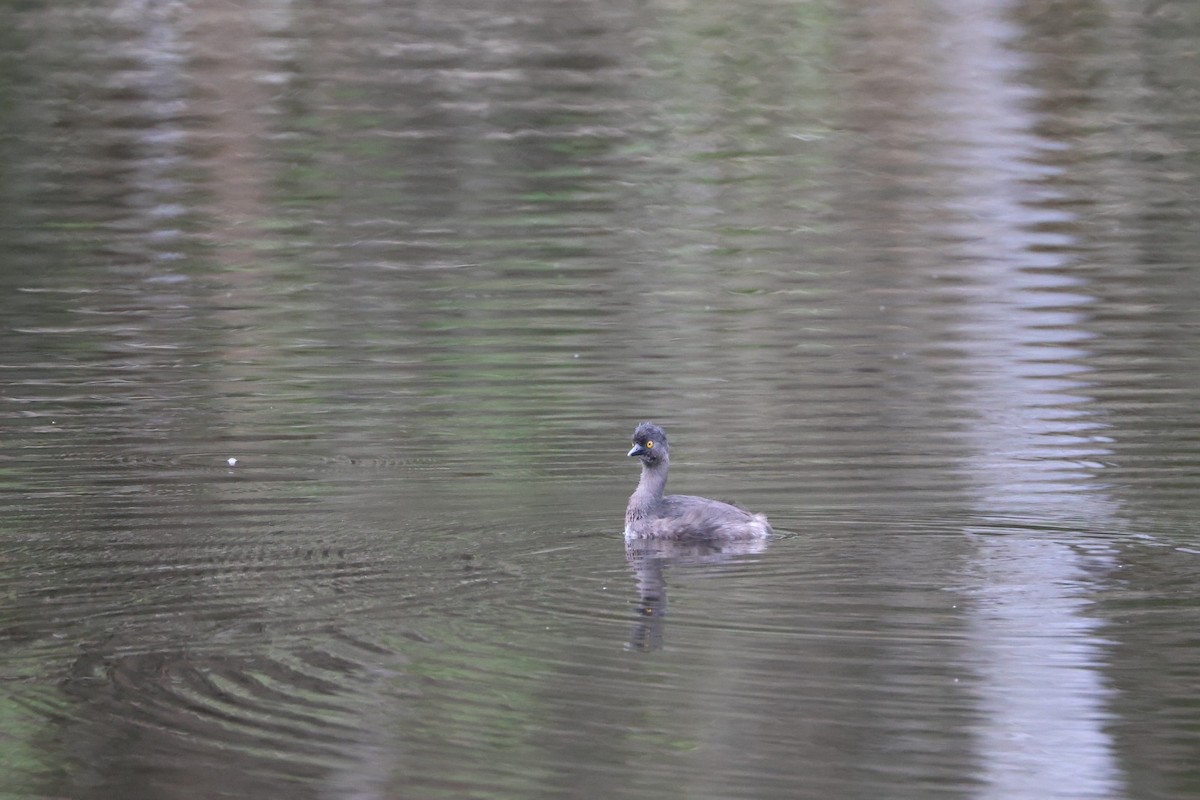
(651, 514)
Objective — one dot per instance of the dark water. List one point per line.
(918, 281)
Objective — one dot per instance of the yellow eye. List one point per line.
(649, 444)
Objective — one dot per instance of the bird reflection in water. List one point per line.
(649, 560)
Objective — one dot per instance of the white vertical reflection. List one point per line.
(154, 77)
(1034, 445)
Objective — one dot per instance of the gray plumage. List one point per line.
(653, 515)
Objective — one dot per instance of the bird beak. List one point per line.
(637, 450)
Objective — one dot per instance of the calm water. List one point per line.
(917, 280)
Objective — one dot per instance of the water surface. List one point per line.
(917, 282)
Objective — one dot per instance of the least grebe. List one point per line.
(650, 515)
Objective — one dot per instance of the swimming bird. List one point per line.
(651, 515)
